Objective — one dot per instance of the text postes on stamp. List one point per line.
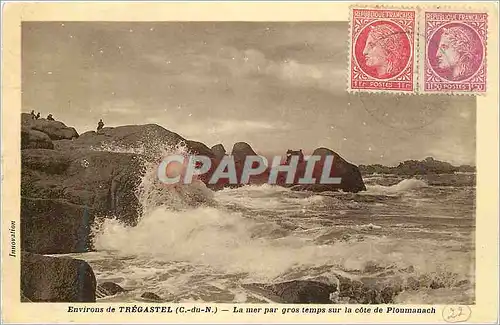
(382, 51)
(453, 52)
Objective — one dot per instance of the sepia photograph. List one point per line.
(227, 162)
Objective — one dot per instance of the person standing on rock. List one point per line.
(32, 114)
(100, 125)
(37, 116)
(50, 118)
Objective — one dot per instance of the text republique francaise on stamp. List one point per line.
(382, 50)
(417, 51)
(453, 52)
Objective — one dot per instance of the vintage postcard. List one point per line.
(247, 162)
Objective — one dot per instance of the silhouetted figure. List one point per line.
(37, 116)
(100, 125)
(50, 118)
(32, 114)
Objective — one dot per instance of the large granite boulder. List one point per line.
(55, 130)
(108, 289)
(295, 292)
(331, 289)
(56, 279)
(351, 180)
(55, 226)
(148, 139)
(428, 166)
(241, 150)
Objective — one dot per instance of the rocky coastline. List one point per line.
(71, 180)
(427, 166)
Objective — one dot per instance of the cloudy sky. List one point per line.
(277, 86)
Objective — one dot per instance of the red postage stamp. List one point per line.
(382, 50)
(454, 52)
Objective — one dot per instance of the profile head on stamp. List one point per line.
(384, 50)
(455, 52)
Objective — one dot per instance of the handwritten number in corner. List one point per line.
(456, 314)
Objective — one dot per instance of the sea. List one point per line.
(192, 244)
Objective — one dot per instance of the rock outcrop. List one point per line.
(56, 279)
(69, 181)
(428, 166)
(55, 130)
(93, 176)
(241, 150)
(296, 292)
(149, 140)
(108, 289)
(331, 290)
(351, 177)
(351, 180)
(150, 296)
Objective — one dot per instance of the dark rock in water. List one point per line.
(330, 289)
(351, 177)
(111, 287)
(219, 151)
(55, 226)
(33, 139)
(351, 180)
(151, 296)
(296, 292)
(56, 279)
(55, 130)
(303, 291)
(107, 289)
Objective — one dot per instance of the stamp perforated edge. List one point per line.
(416, 51)
(422, 47)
